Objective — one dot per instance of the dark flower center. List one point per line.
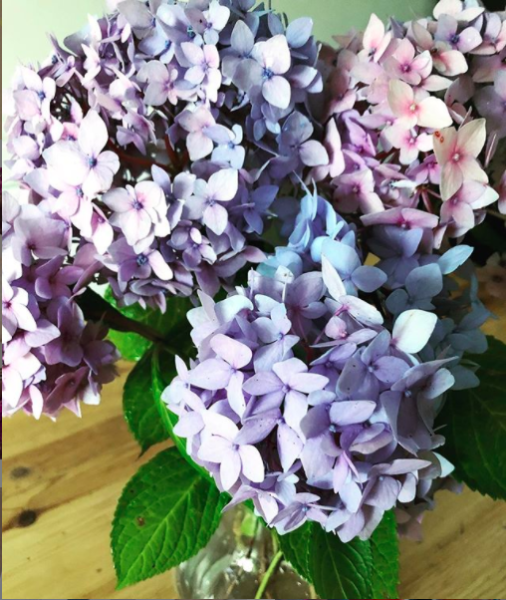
(455, 39)
(54, 59)
(142, 260)
(267, 73)
(41, 95)
(191, 32)
(137, 205)
(79, 192)
(168, 44)
(92, 161)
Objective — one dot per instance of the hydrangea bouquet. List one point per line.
(280, 233)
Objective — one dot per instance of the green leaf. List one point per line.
(131, 346)
(166, 514)
(296, 547)
(167, 325)
(340, 570)
(385, 558)
(474, 424)
(140, 406)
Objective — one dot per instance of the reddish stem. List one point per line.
(173, 156)
(134, 160)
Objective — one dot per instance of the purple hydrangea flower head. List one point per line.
(251, 396)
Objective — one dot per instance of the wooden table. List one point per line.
(62, 482)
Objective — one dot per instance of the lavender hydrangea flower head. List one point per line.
(158, 95)
(52, 358)
(141, 140)
(295, 376)
(164, 148)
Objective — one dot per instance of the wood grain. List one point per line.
(62, 481)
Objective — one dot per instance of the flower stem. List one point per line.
(268, 575)
(496, 214)
(138, 161)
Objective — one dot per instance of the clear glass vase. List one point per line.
(236, 563)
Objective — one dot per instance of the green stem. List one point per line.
(268, 575)
(496, 214)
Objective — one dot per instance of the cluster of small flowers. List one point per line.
(50, 357)
(393, 97)
(314, 403)
(212, 92)
(302, 400)
(195, 89)
(153, 151)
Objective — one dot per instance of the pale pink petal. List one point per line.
(235, 394)
(212, 374)
(332, 279)
(447, 7)
(118, 200)
(461, 212)
(252, 463)
(93, 134)
(68, 162)
(160, 266)
(151, 195)
(289, 446)
(374, 33)
(193, 53)
(277, 91)
(472, 170)
(219, 425)
(236, 354)
(451, 180)
(199, 145)
(223, 185)
(470, 39)
(401, 98)
(412, 330)
(12, 386)
(434, 114)
(472, 137)
(277, 55)
(216, 218)
(215, 449)
(444, 145)
(230, 470)
(451, 63)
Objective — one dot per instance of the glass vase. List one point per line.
(240, 562)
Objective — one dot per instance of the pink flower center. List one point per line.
(456, 157)
(413, 107)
